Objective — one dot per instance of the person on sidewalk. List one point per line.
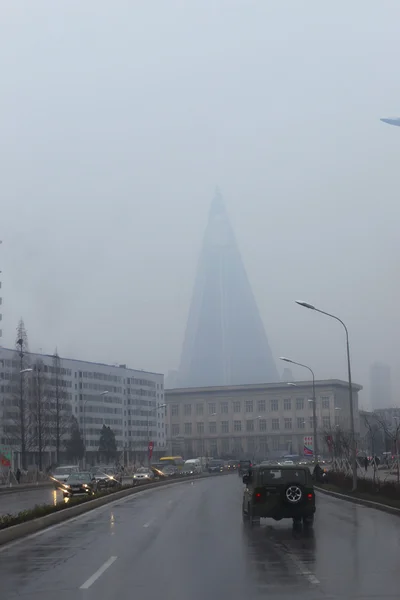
(18, 475)
(366, 463)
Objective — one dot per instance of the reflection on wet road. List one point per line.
(16, 501)
(188, 541)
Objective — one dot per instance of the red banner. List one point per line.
(150, 449)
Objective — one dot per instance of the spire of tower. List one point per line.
(225, 341)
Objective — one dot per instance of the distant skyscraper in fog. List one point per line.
(225, 342)
(380, 386)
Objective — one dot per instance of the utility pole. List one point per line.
(39, 420)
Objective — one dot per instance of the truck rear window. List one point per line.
(271, 476)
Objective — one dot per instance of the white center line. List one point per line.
(98, 573)
(149, 523)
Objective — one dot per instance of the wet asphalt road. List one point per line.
(14, 502)
(188, 542)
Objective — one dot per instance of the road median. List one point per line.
(32, 525)
(357, 498)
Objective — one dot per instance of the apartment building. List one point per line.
(97, 394)
(266, 420)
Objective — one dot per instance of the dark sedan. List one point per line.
(80, 483)
(107, 478)
(216, 466)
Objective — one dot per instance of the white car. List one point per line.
(61, 474)
(143, 475)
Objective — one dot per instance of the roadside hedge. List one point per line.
(385, 492)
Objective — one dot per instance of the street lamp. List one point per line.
(293, 362)
(352, 429)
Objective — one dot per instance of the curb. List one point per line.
(24, 529)
(369, 503)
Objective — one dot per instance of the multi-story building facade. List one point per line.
(255, 420)
(126, 400)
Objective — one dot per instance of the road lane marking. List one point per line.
(88, 515)
(98, 573)
(302, 570)
(149, 523)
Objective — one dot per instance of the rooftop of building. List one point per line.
(280, 385)
(87, 362)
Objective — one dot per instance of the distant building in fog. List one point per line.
(380, 386)
(287, 375)
(225, 341)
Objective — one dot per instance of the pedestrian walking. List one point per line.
(366, 463)
(18, 475)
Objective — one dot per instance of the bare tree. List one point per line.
(392, 433)
(16, 422)
(374, 431)
(40, 410)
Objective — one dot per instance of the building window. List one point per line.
(326, 422)
(175, 428)
(187, 410)
(188, 428)
(311, 422)
(236, 406)
(174, 410)
(249, 406)
(237, 425)
(275, 424)
(301, 423)
(261, 406)
(275, 443)
(212, 427)
(250, 425)
(288, 423)
(274, 405)
(262, 424)
(199, 409)
(325, 402)
(299, 403)
(251, 445)
(212, 408)
(200, 427)
(224, 408)
(224, 426)
(225, 445)
(287, 404)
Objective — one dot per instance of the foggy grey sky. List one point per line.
(117, 121)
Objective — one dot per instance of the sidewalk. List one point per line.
(15, 487)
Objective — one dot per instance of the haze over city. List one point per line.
(116, 128)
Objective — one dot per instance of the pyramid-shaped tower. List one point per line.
(225, 341)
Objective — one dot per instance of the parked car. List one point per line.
(82, 482)
(281, 492)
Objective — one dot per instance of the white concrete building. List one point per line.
(96, 394)
(260, 420)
